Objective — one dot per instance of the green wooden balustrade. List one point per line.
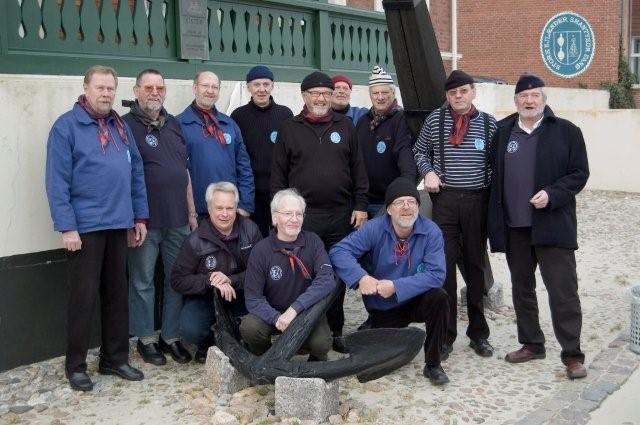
(291, 36)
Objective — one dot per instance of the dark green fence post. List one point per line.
(324, 41)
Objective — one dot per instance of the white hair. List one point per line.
(284, 193)
(225, 187)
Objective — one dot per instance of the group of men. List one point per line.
(273, 211)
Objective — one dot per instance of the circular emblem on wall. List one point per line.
(512, 146)
(151, 140)
(275, 273)
(567, 44)
(381, 146)
(227, 138)
(210, 262)
(335, 137)
(273, 136)
(479, 144)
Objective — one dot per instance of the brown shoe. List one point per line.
(576, 370)
(524, 354)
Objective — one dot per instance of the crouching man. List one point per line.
(406, 273)
(288, 272)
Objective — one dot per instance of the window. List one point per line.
(634, 56)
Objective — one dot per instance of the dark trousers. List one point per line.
(332, 226)
(558, 270)
(262, 215)
(198, 315)
(99, 269)
(462, 217)
(430, 308)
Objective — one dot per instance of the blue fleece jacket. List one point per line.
(355, 113)
(212, 162)
(420, 269)
(89, 190)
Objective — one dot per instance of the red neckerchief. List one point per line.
(294, 259)
(376, 118)
(399, 249)
(314, 119)
(103, 130)
(460, 125)
(211, 127)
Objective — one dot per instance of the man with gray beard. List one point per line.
(540, 165)
(406, 273)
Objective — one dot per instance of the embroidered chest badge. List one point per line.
(512, 146)
(335, 137)
(275, 273)
(422, 267)
(210, 262)
(227, 138)
(151, 140)
(479, 144)
(273, 136)
(381, 146)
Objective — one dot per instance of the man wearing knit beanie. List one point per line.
(407, 268)
(452, 155)
(341, 99)
(259, 122)
(317, 154)
(540, 166)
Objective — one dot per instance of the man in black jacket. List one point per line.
(540, 164)
(215, 255)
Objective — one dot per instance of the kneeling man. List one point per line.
(288, 272)
(406, 271)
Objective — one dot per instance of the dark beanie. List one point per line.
(527, 82)
(401, 186)
(342, 79)
(316, 79)
(259, 71)
(456, 79)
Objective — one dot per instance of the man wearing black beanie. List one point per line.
(259, 122)
(316, 152)
(540, 165)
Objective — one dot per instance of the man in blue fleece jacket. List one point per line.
(406, 271)
(96, 190)
(288, 272)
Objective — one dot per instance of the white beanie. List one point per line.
(379, 76)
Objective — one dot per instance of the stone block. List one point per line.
(492, 301)
(220, 376)
(306, 398)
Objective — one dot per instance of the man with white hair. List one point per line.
(288, 272)
(213, 257)
(384, 140)
(540, 165)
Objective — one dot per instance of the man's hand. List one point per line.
(367, 285)
(243, 212)
(386, 288)
(219, 278)
(540, 200)
(137, 235)
(222, 283)
(358, 218)
(71, 240)
(285, 319)
(432, 182)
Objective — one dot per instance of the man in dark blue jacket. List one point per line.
(403, 283)
(96, 191)
(540, 164)
(288, 272)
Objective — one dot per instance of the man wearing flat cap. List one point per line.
(540, 164)
(341, 99)
(451, 154)
(317, 153)
(404, 281)
(259, 122)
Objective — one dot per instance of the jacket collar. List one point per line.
(419, 227)
(83, 117)
(336, 117)
(277, 244)
(189, 116)
(205, 230)
(511, 120)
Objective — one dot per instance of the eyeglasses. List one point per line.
(410, 203)
(316, 94)
(290, 214)
(209, 87)
(149, 89)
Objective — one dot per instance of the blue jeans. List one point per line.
(198, 314)
(142, 263)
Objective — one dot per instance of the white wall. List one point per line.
(30, 104)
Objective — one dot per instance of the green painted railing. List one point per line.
(292, 36)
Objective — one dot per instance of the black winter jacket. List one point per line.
(561, 169)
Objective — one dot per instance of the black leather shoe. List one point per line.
(436, 374)
(201, 355)
(176, 350)
(445, 351)
(151, 353)
(125, 371)
(481, 347)
(80, 381)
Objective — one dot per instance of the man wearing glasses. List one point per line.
(215, 147)
(164, 155)
(406, 273)
(288, 272)
(341, 99)
(317, 153)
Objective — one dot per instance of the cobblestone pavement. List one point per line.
(488, 391)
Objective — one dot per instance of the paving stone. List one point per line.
(575, 416)
(220, 376)
(306, 398)
(20, 408)
(585, 405)
(538, 416)
(223, 418)
(608, 386)
(594, 393)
